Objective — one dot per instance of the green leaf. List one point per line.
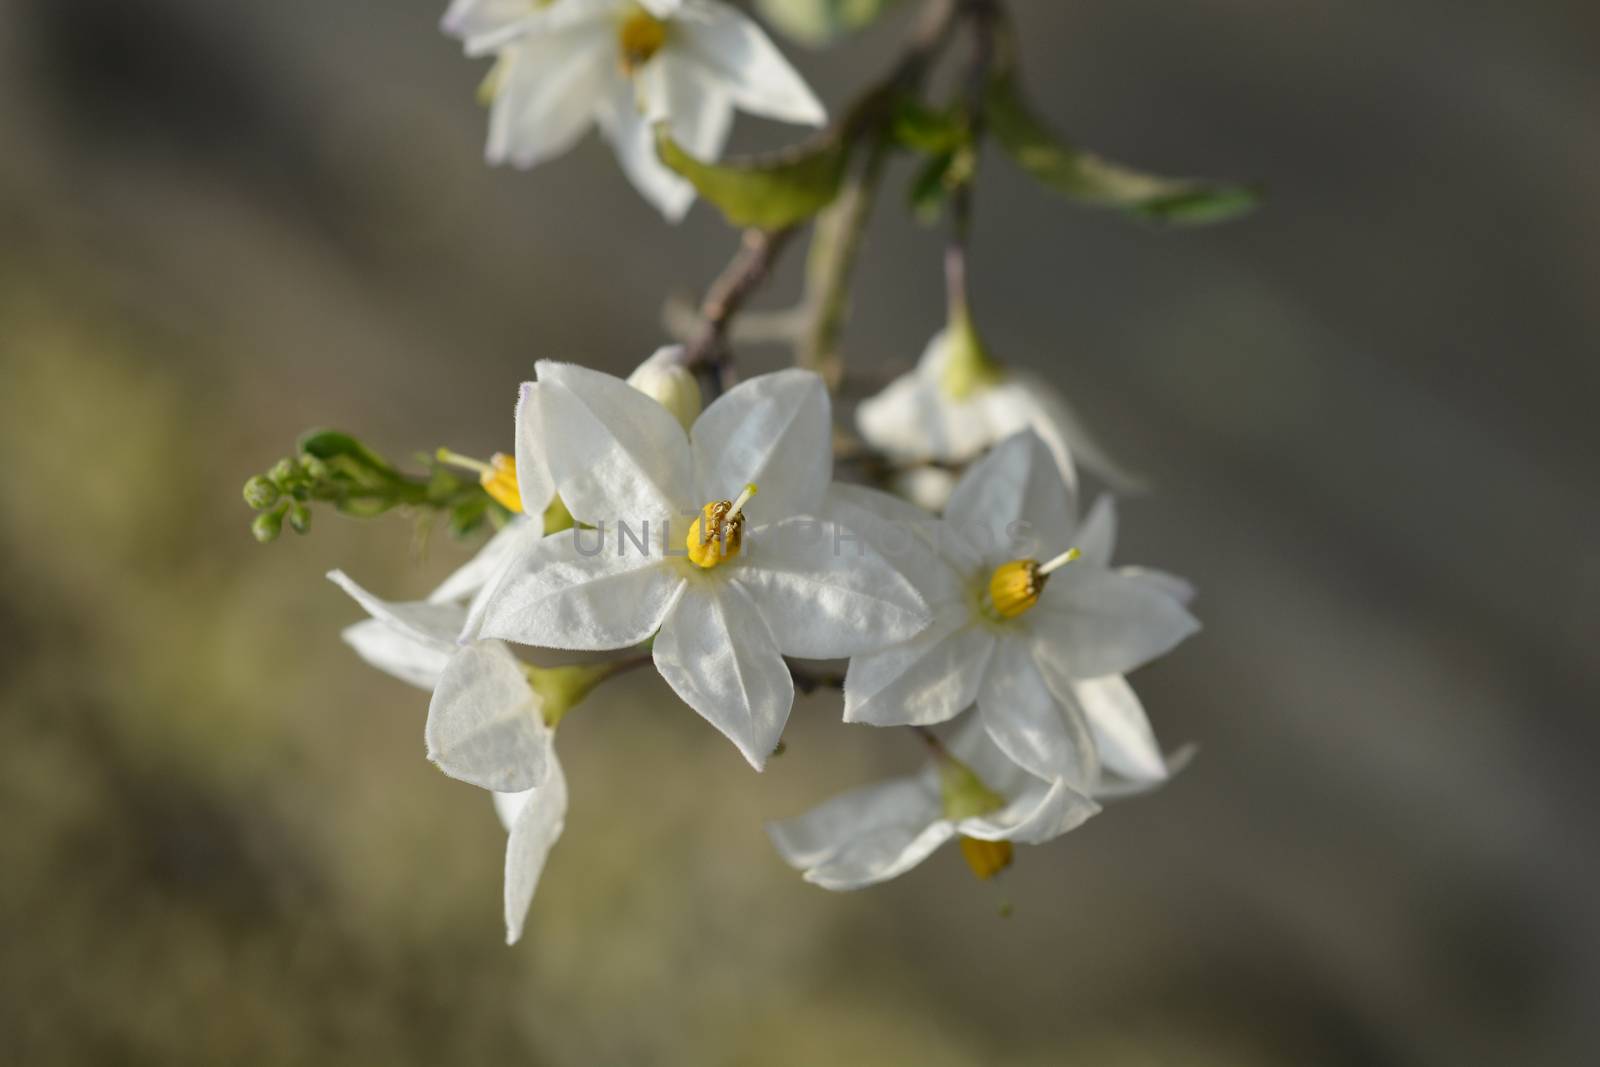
(1092, 180)
(922, 129)
(770, 192)
(330, 444)
(817, 22)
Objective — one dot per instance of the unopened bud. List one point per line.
(260, 493)
(269, 524)
(316, 468)
(282, 474)
(299, 518)
(668, 382)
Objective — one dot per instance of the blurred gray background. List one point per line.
(1368, 412)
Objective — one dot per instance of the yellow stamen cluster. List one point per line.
(500, 482)
(986, 858)
(718, 534)
(1015, 587)
(639, 37)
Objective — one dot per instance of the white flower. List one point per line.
(968, 790)
(726, 582)
(957, 403)
(1026, 641)
(626, 64)
(486, 724)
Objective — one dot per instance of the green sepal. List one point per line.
(1093, 180)
(769, 192)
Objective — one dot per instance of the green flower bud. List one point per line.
(283, 474)
(269, 524)
(299, 518)
(260, 493)
(316, 469)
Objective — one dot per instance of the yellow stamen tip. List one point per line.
(986, 858)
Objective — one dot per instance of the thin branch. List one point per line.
(707, 348)
(841, 230)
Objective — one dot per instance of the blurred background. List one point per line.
(1367, 410)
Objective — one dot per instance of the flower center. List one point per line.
(718, 534)
(498, 476)
(1015, 587)
(639, 37)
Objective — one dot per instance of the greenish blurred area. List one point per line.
(1368, 412)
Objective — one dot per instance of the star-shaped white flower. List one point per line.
(486, 724)
(625, 65)
(679, 549)
(956, 404)
(969, 790)
(1020, 638)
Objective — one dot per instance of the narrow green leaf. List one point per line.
(769, 192)
(1096, 181)
(923, 129)
(329, 444)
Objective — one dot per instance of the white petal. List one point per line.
(809, 839)
(879, 856)
(1097, 537)
(912, 418)
(1042, 733)
(901, 533)
(865, 836)
(749, 65)
(615, 453)
(697, 109)
(716, 652)
(1116, 787)
(1179, 589)
(633, 140)
(397, 653)
(1037, 816)
(1013, 504)
(535, 819)
(547, 96)
(1122, 733)
(774, 431)
(471, 578)
(537, 23)
(485, 724)
(576, 590)
(535, 483)
(930, 679)
(467, 19)
(826, 594)
(423, 621)
(1068, 438)
(1016, 405)
(1092, 622)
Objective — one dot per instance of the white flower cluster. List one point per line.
(716, 544)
